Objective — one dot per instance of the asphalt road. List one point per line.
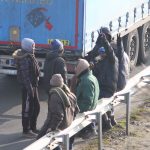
(10, 111)
(10, 114)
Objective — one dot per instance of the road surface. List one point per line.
(10, 112)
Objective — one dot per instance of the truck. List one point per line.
(76, 24)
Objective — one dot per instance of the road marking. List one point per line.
(17, 142)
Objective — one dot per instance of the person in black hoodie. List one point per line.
(105, 68)
(54, 63)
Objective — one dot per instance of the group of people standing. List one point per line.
(99, 75)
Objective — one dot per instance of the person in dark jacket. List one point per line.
(62, 107)
(87, 92)
(106, 70)
(54, 63)
(28, 76)
(106, 67)
(123, 61)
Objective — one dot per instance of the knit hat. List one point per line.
(27, 44)
(101, 50)
(81, 66)
(57, 45)
(57, 80)
(105, 30)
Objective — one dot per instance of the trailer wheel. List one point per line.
(132, 47)
(144, 36)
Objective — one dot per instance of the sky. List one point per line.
(108, 10)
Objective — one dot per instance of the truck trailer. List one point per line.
(76, 24)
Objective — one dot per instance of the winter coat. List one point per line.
(87, 91)
(106, 72)
(62, 108)
(54, 64)
(27, 69)
(124, 65)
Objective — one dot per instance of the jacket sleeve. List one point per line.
(24, 65)
(85, 96)
(61, 68)
(110, 52)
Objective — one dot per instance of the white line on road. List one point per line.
(17, 142)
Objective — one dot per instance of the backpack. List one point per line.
(69, 103)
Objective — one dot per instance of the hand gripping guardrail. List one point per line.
(53, 139)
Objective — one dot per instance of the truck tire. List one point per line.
(132, 47)
(144, 36)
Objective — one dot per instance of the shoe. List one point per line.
(113, 121)
(36, 131)
(112, 118)
(29, 134)
(89, 134)
(106, 122)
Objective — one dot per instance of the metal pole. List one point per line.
(127, 98)
(99, 121)
(66, 142)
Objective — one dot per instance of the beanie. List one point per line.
(57, 45)
(105, 30)
(57, 80)
(101, 50)
(81, 66)
(27, 44)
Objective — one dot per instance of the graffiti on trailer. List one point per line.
(29, 1)
(36, 17)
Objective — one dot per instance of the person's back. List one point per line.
(62, 106)
(87, 92)
(54, 63)
(87, 87)
(106, 68)
(106, 71)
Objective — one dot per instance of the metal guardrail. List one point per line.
(53, 139)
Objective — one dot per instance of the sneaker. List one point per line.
(89, 134)
(29, 134)
(113, 121)
(106, 125)
(36, 131)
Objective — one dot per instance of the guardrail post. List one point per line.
(127, 98)
(66, 142)
(99, 121)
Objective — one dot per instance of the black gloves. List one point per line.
(118, 41)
